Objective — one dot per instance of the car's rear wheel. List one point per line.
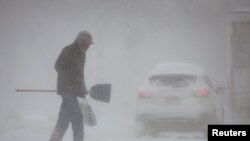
(153, 132)
(144, 129)
(139, 130)
(209, 120)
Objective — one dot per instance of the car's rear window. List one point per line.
(173, 81)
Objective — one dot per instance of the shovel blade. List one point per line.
(101, 92)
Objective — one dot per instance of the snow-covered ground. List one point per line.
(39, 128)
(115, 122)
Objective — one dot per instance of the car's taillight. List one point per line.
(141, 93)
(202, 92)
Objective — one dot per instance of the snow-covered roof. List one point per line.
(177, 68)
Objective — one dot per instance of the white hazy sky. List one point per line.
(131, 37)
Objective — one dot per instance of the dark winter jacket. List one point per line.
(70, 69)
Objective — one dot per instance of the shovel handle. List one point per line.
(30, 90)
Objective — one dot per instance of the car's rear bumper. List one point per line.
(174, 123)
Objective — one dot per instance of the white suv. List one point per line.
(177, 97)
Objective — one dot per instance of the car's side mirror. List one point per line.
(220, 90)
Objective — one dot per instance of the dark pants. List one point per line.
(70, 112)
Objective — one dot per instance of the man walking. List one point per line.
(70, 85)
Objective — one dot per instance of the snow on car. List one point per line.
(176, 97)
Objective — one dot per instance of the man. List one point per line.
(70, 85)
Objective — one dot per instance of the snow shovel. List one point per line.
(99, 92)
